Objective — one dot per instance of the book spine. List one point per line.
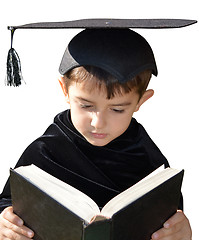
(99, 230)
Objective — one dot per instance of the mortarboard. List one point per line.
(105, 43)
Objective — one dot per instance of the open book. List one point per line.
(161, 189)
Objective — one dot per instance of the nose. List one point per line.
(98, 120)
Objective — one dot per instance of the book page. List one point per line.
(73, 199)
(136, 191)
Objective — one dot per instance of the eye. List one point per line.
(85, 106)
(117, 110)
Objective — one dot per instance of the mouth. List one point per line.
(99, 135)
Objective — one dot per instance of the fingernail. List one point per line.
(166, 225)
(155, 236)
(20, 222)
(30, 233)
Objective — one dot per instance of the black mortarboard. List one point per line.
(106, 43)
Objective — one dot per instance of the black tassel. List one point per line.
(14, 75)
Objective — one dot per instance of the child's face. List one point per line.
(98, 119)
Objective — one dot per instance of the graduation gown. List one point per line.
(100, 172)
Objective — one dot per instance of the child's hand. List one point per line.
(176, 228)
(11, 226)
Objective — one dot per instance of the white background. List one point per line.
(170, 117)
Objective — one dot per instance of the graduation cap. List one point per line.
(105, 43)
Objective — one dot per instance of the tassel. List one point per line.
(14, 75)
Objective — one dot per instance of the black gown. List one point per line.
(100, 172)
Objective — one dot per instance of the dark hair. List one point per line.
(99, 77)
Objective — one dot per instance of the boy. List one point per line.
(97, 146)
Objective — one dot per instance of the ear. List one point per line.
(148, 94)
(61, 82)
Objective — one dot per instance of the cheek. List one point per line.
(79, 120)
(120, 125)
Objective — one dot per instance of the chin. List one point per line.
(98, 143)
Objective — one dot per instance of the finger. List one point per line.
(12, 222)
(178, 217)
(176, 227)
(21, 230)
(160, 234)
(9, 215)
(10, 234)
(166, 234)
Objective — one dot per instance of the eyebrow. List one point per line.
(84, 99)
(114, 105)
(121, 104)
